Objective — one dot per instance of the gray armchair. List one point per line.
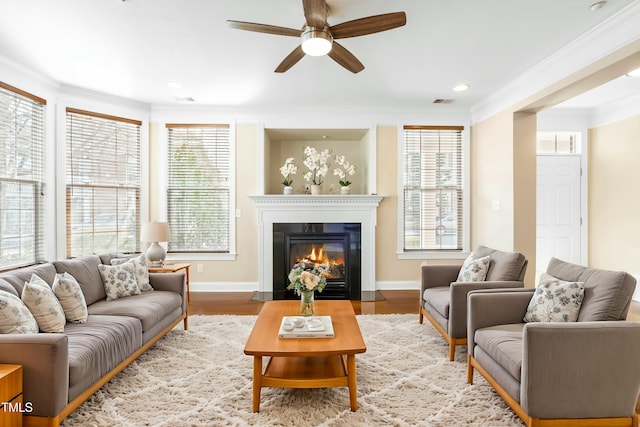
(443, 300)
(581, 373)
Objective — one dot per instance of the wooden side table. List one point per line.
(173, 268)
(11, 404)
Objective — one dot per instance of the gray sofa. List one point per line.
(583, 372)
(62, 370)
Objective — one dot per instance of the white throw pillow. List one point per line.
(555, 301)
(140, 268)
(119, 280)
(474, 269)
(71, 298)
(44, 305)
(15, 317)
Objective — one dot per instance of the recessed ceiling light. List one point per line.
(185, 99)
(174, 85)
(634, 73)
(597, 5)
(461, 87)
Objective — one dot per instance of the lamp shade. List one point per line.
(316, 42)
(155, 232)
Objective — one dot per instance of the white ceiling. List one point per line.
(133, 48)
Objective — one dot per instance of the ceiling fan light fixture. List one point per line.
(316, 42)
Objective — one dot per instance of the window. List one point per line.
(22, 118)
(199, 190)
(432, 188)
(103, 183)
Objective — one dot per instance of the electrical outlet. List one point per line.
(307, 188)
(331, 188)
(199, 268)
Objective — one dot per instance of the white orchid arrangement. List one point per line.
(345, 169)
(317, 163)
(288, 169)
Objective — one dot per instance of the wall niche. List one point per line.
(357, 145)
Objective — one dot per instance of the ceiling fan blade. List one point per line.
(315, 12)
(345, 58)
(291, 60)
(368, 25)
(264, 28)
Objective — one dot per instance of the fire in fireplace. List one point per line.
(336, 246)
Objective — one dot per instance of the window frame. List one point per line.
(434, 253)
(38, 183)
(64, 186)
(164, 186)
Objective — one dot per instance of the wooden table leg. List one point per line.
(257, 382)
(351, 372)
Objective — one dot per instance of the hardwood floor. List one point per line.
(395, 302)
(242, 303)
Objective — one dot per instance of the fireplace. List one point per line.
(336, 246)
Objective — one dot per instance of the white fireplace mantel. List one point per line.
(327, 208)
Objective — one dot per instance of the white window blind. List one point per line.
(22, 129)
(433, 188)
(103, 183)
(198, 191)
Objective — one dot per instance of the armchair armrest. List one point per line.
(458, 302)
(45, 360)
(438, 275)
(580, 369)
(493, 307)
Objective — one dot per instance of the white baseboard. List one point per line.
(253, 286)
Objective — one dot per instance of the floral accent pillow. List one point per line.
(141, 270)
(38, 296)
(555, 301)
(119, 280)
(15, 317)
(474, 269)
(71, 298)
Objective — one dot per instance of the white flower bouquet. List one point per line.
(305, 280)
(317, 163)
(288, 169)
(345, 169)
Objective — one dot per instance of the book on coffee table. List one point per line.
(309, 327)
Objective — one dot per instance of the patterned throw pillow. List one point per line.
(474, 269)
(44, 305)
(555, 301)
(141, 270)
(71, 298)
(119, 280)
(15, 317)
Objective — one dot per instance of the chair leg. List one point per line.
(452, 350)
(469, 370)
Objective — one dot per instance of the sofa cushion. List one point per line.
(69, 293)
(607, 295)
(44, 305)
(15, 317)
(149, 307)
(119, 280)
(8, 287)
(565, 270)
(504, 266)
(85, 271)
(555, 301)
(504, 344)
(98, 346)
(474, 269)
(17, 278)
(439, 298)
(141, 270)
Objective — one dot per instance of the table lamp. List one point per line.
(154, 232)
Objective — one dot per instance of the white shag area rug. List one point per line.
(201, 377)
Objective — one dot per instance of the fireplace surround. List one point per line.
(319, 209)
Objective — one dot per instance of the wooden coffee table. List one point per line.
(305, 362)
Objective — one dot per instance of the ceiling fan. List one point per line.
(318, 38)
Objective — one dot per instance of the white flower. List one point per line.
(287, 170)
(346, 169)
(316, 162)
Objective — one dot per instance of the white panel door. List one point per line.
(558, 213)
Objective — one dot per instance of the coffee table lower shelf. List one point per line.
(306, 372)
